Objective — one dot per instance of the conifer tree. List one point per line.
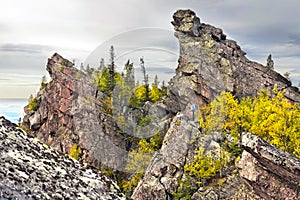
(163, 88)
(270, 62)
(89, 70)
(156, 80)
(111, 69)
(146, 79)
(130, 79)
(82, 67)
(102, 64)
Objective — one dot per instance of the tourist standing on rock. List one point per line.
(193, 108)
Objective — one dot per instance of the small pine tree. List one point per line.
(270, 62)
(164, 88)
(82, 67)
(89, 70)
(111, 69)
(146, 78)
(156, 80)
(102, 64)
(43, 82)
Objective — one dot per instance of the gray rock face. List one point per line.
(262, 171)
(166, 167)
(30, 169)
(209, 63)
(268, 170)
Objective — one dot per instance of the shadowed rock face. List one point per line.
(68, 113)
(30, 169)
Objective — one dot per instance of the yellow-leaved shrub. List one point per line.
(272, 117)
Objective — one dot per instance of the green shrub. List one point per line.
(64, 62)
(185, 190)
(139, 159)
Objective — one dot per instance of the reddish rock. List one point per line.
(65, 93)
(65, 105)
(68, 114)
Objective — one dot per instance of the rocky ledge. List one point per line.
(263, 172)
(30, 169)
(268, 170)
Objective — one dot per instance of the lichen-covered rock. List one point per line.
(30, 169)
(270, 172)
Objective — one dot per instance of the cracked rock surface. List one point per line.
(209, 64)
(29, 169)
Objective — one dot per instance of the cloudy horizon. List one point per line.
(32, 30)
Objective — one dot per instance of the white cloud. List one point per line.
(32, 30)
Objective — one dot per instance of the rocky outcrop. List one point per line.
(166, 167)
(271, 173)
(72, 111)
(209, 63)
(262, 171)
(68, 113)
(30, 169)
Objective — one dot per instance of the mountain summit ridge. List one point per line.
(213, 63)
(71, 111)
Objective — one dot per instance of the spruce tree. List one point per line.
(146, 78)
(270, 62)
(111, 69)
(102, 64)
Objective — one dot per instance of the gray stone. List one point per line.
(31, 170)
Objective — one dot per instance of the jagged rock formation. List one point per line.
(71, 110)
(68, 113)
(263, 169)
(208, 64)
(30, 169)
(167, 166)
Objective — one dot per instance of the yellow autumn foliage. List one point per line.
(272, 117)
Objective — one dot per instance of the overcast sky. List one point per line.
(32, 30)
